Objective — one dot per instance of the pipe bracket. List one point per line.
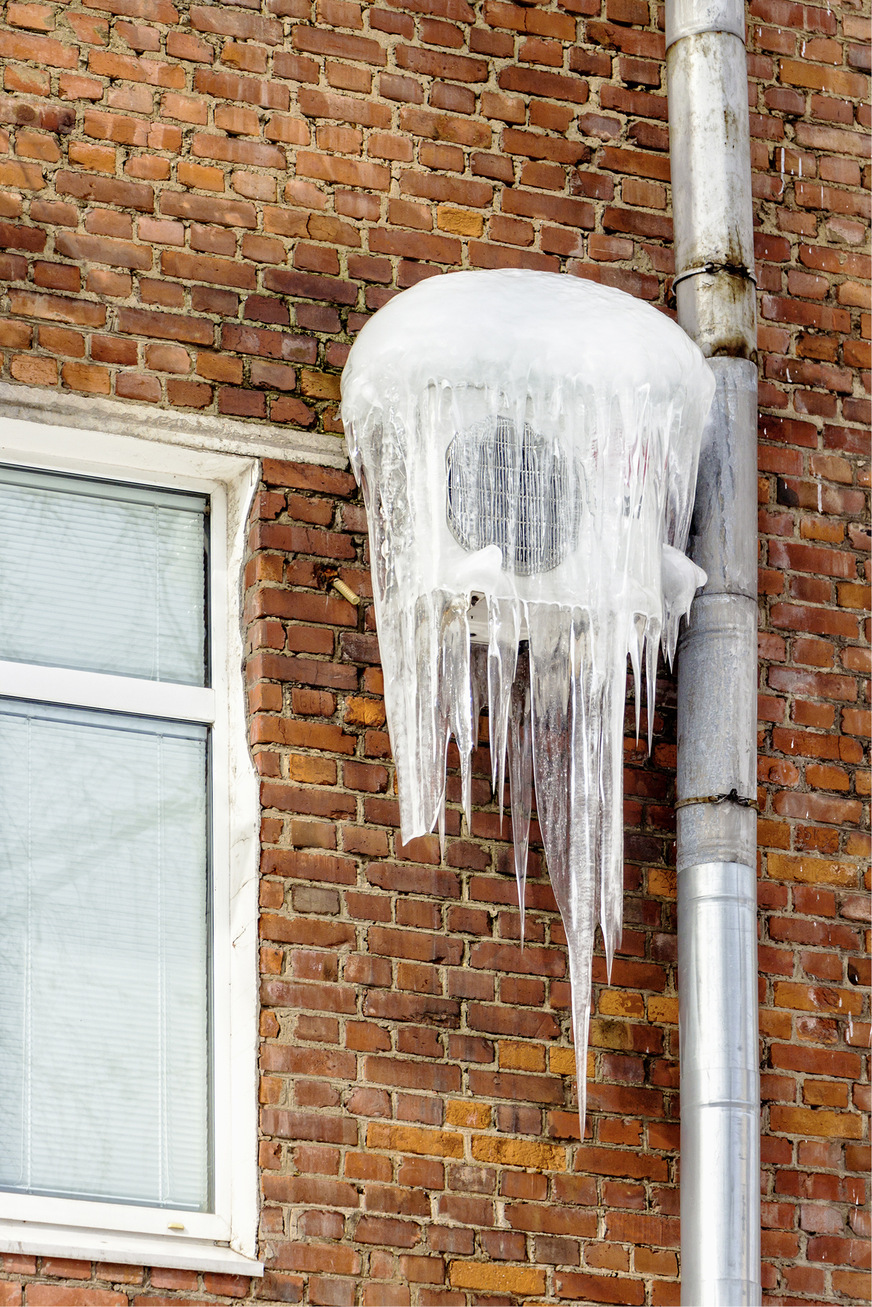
(710, 269)
(733, 797)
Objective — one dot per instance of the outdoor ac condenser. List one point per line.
(527, 445)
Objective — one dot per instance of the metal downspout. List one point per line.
(717, 670)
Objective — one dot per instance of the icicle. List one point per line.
(504, 624)
(611, 833)
(680, 579)
(431, 717)
(652, 646)
(580, 988)
(441, 829)
(455, 689)
(637, 644)
(520, 748)
(527, 442)
(566, 804)
(478, 681)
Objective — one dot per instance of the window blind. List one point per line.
(103, 965)
(102, 576)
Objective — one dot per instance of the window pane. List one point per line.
(103, 968)
(102, 577)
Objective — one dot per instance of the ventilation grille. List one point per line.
(513, 491)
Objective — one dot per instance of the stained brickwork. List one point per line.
(199, 206)
(418, 1064)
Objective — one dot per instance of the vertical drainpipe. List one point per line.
(717, 670)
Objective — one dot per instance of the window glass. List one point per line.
(104, 963)
(102, 577)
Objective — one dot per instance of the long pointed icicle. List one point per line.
(567, 806)
(504, 624)
(520, 751)
(456, 691)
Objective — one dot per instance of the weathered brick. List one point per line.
(106, 190)
(489, 1278)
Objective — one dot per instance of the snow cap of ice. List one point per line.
(471, 328)
(527, 444)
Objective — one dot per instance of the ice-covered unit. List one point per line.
(527, 444)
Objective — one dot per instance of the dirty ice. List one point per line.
(527, 445)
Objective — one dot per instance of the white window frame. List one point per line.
(226, 1238)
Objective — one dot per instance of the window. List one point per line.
(127, 859)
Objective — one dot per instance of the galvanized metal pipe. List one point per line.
(716, 781)
(710, 155)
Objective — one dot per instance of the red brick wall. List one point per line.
(418, 1082)
(199, 206)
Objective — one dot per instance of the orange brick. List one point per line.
(34, 370)
(412, 1139)
(486, 1277)
(815, 1122)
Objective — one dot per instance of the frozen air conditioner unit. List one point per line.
(527, 444)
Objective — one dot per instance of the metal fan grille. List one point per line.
(514, 491)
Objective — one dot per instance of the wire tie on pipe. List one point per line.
(736, 269)
(733, 797)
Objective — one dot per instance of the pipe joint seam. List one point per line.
(726, 592)
(690, 17)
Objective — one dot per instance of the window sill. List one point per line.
(183, 427)
(176, 1252)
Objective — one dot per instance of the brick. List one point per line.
(235, 150)
(567, 212)
(146, 322)
(553, 86)
(345, 172)
(22, 176)
(815, 1122)
(290, 131)
(56, 1295)
(193, 267)
(412, 1139)
(809, 870)
(40, 49)
(34, 371)
(268, 344)
(36, 145)
(87, 377)
(488, 1278)
(14, 237)
(316, 40)
(520, 1153)
(98, 249)
(847, 1252)
(600, 1289)
(55, 308)
(228, 213)
(106, 190)
(431, 63)
(104, 63)
(36, 17)
(417, 245)
(816, 77)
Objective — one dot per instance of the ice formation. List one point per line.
(527, 446)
